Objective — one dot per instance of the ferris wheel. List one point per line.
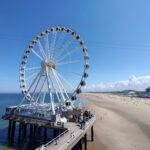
(54, 67)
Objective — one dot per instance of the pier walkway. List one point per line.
(69, 138)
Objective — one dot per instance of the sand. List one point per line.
(123, 123)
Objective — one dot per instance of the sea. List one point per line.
(26, 144)
(6, 100)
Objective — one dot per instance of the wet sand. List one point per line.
(123, 123)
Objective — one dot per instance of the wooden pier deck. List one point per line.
(69, 138)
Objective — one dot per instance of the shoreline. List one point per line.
(122, 122)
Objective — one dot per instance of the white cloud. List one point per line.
(133, 83)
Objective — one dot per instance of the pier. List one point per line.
(66, 137)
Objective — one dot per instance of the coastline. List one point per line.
(122, 122)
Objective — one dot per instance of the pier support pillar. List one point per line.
(31, 130)
(92, 134)
(13, 127)
(31, 134)
(9, 129)
(19, 133)
(34, 132)
(85, 141)
(39, 130)
(24, 130)
(45, 134)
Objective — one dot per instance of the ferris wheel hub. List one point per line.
(51, 65)
(48, 64)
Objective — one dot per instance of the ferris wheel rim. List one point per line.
(30, 49)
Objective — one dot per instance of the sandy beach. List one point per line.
(123, 123)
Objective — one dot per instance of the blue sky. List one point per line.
(117, 34)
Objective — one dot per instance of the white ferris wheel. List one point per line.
(54, 68)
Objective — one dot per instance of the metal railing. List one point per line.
(55, 139)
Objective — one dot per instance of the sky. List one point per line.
(117, 34)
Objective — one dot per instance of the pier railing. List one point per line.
(44, 147)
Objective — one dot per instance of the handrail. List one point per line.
(55, 138)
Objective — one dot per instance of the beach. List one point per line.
(123, 123)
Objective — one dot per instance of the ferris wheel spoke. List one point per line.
(52, 82)
(60, 83)
(32, 75)
(31, 85)
(75, 73)
(40, 91)
(53, 44)
(41, 49)
(32, 68)
(61, 39)
(67, 82)
(57, 95)
(64, 47)
(68, 53)
(60, 89)
(44, 96)
(44, 93)
(59, 44)
(33, 94)
(47, 45)
(69, 62)
(37, 54)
